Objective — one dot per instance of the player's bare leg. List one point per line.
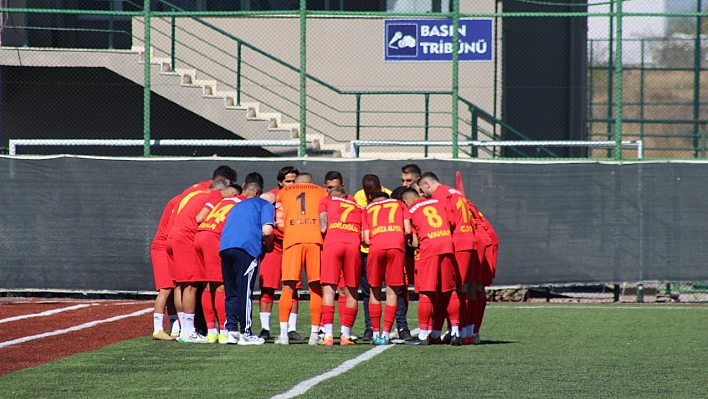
(177, 296)
(159, 315)
(172, 315)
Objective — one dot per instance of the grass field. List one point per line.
(528, 351)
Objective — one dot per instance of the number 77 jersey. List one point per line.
(301, 218)
(385, 221)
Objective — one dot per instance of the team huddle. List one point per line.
(220, 236)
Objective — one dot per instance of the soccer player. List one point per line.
(206, 245)
(163, 279)
(385, 228)
(271, 265)
(340, 223)
(488, 272)
(435, 271)
(302, 247)
(186, 271)
(462, 224)
(370, 184)
(243, 239)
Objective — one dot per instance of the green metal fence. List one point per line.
(627, 93)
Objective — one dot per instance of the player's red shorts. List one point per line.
(386, 263)
(270, 270)
(206, 244)
(185, 267)
(489, 265)
(161, 268)
(435, 273)
(466, 261)
(410, 270)
(299, 255)
(341, 263)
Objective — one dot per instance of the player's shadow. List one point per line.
(493, 342)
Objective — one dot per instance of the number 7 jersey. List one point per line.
(343, 221)
(300, 218)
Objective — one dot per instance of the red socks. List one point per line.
(375, 313)
(349, 316)
(208, 308)
(425, 311)
(389, 317)
(220, 306)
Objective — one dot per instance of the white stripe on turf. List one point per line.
(75, 328)
(305, 386)
(46, 313)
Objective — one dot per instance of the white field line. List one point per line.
(306, 385)
(46, 313)
(635, 307)
(75, 328)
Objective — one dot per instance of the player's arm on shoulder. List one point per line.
(414, 241)
(202, 214)
(268, 235)
(323, 222)
(365, 238)
(407, 227)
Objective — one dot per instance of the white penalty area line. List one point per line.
(46, 313)
(306, 385)
(75, 328)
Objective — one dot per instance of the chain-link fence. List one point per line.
(295, 77)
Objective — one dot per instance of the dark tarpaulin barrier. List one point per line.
(86, 224)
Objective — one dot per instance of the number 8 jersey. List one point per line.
(429, 219)
(301, 218)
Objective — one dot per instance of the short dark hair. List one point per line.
(371, 181)
(411, 168)
(379, 194)
(334, 175)
(408, 192)
(254, 177)
(219, 184)
(286, 170)
(253, 186)
(429, 176)
(226, 172)
(396, 193)
(237, 187)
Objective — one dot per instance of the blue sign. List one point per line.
(431, 40)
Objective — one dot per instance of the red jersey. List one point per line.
(429, 219)
(197, 187)
(214, 222)
(483, 238)
(489, 229)
(277, 232)
(384, 220)
(343, 221)
(160, 240)
(460, 215)
(185, 222)
(300, 216)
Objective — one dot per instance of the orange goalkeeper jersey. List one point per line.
(301, 218)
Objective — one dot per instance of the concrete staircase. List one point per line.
(259, 125)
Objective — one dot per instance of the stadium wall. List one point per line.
(74, 223)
